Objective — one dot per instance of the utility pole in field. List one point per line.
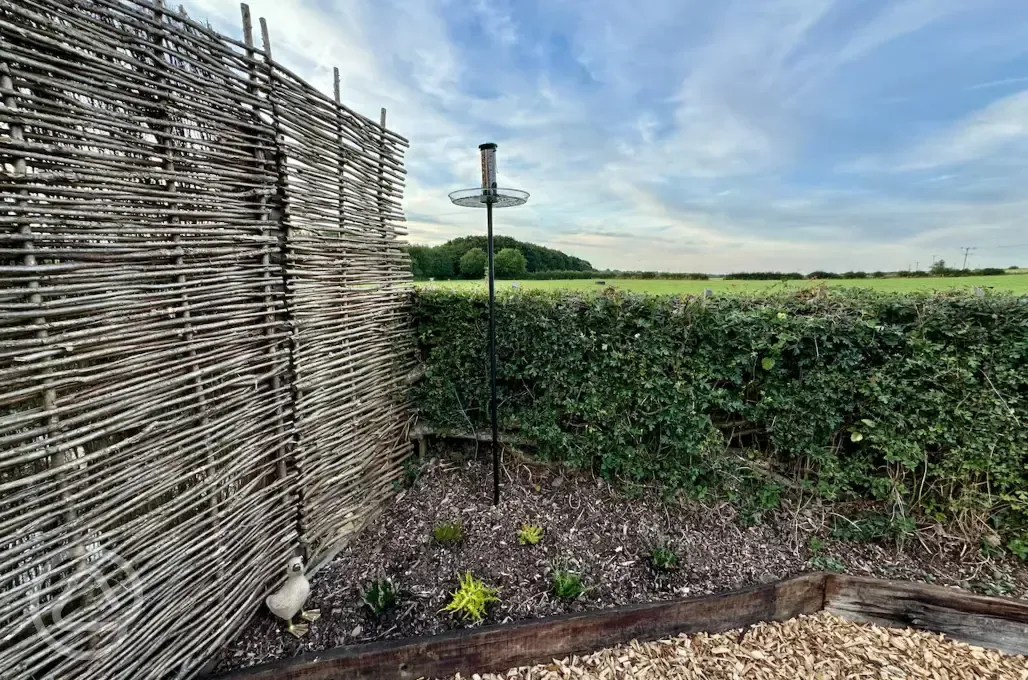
(967, 249)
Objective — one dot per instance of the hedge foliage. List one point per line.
(917, 401)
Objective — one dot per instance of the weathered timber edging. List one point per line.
(505, 646)
(994, 622)
(999, 623)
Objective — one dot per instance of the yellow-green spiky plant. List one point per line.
(530, 534)
(471, 598)
(449, 533)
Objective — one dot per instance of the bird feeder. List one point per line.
(490, 196)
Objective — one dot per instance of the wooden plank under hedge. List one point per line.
(999, 623)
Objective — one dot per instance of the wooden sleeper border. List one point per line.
(997, 623)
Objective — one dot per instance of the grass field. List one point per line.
(1012, 283)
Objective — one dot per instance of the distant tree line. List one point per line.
(615, 274)
(939, 269)
(446, 261)
(764, 276)
(465, 258)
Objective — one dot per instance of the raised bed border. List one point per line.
(994, 622)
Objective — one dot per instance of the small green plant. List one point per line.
(663, 558)
(826, 563)
(754, 499)
(822, 562)
(1019, 546)
(530, 534)
(449, 533)
(411, 471)
(380, 597)
(471, 598)
(873, 527)
(567, 584)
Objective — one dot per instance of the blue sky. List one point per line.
(695, 135)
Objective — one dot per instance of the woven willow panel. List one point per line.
(203, 334)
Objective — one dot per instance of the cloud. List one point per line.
(993, 131)
(998, 83)
(689, 135)
(897, 20)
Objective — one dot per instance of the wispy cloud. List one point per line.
(997, 130)
(690, 135)
(999, 83)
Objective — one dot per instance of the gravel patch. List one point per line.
(590, 529)
(820, 646)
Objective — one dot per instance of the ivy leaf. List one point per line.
(856, 437)
(768, 363)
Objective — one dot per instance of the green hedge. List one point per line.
(918, 401)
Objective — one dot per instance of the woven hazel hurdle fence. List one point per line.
(203, 340)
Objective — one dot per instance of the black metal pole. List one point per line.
(492, 354)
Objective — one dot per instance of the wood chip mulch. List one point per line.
(815, 647)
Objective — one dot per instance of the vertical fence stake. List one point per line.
(264, 232)
(285, 238)
(381, 176)
(341, 164)
(57, 458)
(341, 168)
(164, 135)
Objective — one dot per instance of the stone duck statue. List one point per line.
(288, 600)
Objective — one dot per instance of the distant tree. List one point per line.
(763, 276)
(939, 267)
(473, 263)
(538, 258)
(509, 263)
(418, 259)
(443, 261)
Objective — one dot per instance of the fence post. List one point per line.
(285, 247)
(165, 147)
(342, 151)
(57, 459)
(342, 200)
(264, 231)
(381, 186)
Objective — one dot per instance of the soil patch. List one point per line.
(591, 529)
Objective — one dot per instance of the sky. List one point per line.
(690, 135)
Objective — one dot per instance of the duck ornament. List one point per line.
(287, 601)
